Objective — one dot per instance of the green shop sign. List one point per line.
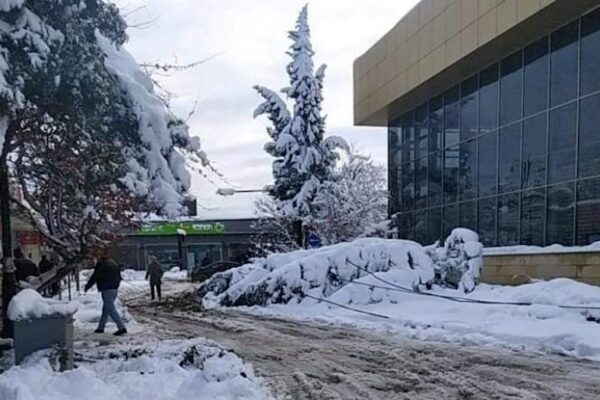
(190, 228)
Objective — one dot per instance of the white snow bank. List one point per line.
(553, 249)
(542, 327)
(166, 370)
(28, 304)
(321, 272)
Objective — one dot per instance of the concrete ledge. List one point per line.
(517, 269)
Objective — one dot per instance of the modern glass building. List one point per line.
(505, 139)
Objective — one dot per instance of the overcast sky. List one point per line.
(249, 41)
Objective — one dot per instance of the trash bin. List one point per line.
(41, 323)
(37, 334)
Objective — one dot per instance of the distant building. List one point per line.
(205, 242)
(493, 111)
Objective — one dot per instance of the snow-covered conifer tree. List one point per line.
(304, 158)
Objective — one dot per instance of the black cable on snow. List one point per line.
(346, 307)
(458, 299)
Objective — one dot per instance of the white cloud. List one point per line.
(251, 40)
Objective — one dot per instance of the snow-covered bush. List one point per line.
(459, 262)
(319, 273)
(350, 271)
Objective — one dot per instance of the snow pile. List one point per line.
(176, 274)
(459, 263)
(184, 370)
(28, 304)
(319, 273)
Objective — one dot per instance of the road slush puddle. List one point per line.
(310, 361)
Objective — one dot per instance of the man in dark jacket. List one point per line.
(107, 277)
(45, 265)
(25, 267)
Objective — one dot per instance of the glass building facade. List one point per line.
(512, 152)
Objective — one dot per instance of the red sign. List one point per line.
(28, 237)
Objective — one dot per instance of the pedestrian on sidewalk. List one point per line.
(25, 267)
(107, 277)
(154, 272)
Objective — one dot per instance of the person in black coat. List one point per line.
(45, 265)
(25, 267)
(107, 277)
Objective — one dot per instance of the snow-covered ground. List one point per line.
(135, 367)
(183, 370)
(377, 279)
(542, 327)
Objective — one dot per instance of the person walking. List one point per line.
(25, 267)
(107, 277)
(154, 272)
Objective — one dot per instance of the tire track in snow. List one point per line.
(308, 361)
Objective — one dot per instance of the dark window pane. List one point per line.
(486, 210)
(408, 138)
(508, 220)
(589, 136)
(421, 183)
(435, 172)
(421, 227)
(407, 226)
(393, 150)
(561, 209)
(561, 146)
(434, 225)
(468, 170)
(469, 108)
(421, 131)
(534, 151)
(488, 99)
(509, 164)
(451, 117)
(533, 213)
(590, 56)
(488, 171)
(451, 164)
(468, 215)
(436, 124)
(511, 85)
(407, 187)
(588, 212)
(536, 77)
(563, 64)
(450, 220)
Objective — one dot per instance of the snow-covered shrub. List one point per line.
(459, 262)
(319, 273)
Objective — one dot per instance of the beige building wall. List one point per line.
(519, 269)
(440, 42)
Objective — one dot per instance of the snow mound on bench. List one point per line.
(282, 278)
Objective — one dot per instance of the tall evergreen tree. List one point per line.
(304, 158)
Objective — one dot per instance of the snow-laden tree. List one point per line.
(353, 202)
(88, 140)
(304, 157)
(346, 207)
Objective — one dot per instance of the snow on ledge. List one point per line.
(30, 304)
(553, 249)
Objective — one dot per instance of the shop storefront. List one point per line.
(189, 244)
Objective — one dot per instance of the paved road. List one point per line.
(306, 361)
